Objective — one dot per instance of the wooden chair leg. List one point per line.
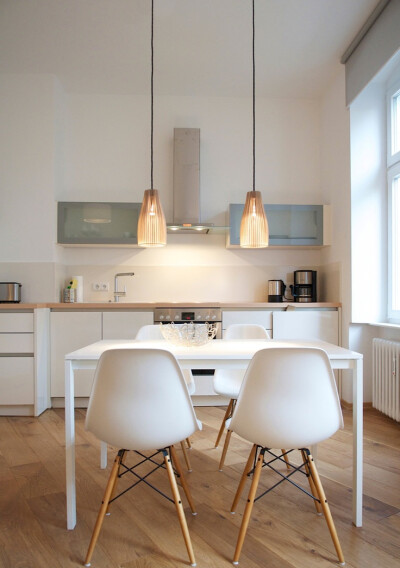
(286, 459)
(179, 509)
(249, 507)
(177, 464)
(311, 482)
(189, 444)
(325, 508)
(225, 449)
(243, 479)
(222, 428)
(113, 491)
(185, 455)
(104, 506)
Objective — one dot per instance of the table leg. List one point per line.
(357, 442)
(70, 445)
(103, 455)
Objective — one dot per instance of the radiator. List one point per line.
(385, 377)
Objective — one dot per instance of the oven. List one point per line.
(185, 314)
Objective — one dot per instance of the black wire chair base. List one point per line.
(143, 478)
(280, 458)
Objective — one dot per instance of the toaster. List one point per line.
(10, 292)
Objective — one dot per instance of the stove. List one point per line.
(184, 314)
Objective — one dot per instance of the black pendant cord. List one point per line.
(152, 73)
(254, 107)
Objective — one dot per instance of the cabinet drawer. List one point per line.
(16, 323)
(16, 380)
(16, 342)
(259, 317)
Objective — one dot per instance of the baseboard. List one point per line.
(349, 405)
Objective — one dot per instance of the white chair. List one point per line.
(139, 401)
(288, 399)
(153, 332)
(227, 382)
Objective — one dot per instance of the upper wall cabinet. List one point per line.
(97, 223)
(289, 225)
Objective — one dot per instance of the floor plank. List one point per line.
(143, 531)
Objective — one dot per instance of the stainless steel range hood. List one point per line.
(186, 204)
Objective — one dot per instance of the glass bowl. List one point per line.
(188, 334)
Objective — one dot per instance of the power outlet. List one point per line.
(101, 286)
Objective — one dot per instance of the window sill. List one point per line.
(385, 324)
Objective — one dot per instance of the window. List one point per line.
(393, 161)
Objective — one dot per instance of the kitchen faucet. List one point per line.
(117, 293)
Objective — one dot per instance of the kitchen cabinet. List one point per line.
(307, 324)
(71, 331)
(124, 325)
(291, 323)
(259, 317)
(289, 225)
(84, 223)
(17, 371)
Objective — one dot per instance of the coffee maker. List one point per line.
(304, 288)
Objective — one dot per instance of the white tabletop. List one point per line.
(216, 349)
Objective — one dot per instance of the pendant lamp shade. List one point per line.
(152, 228)
(254, 231)
(254, 225)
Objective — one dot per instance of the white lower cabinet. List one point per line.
(260, 317)
(124, 325)
(17, 380)
(73, 330)
(298, 323)
(70, 331)
(307, 324)
(17, 363)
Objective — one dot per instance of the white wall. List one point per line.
(80, 147)
(27, 167)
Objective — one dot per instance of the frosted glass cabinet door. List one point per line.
(289, 225)
(97, 223)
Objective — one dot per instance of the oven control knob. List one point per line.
(168, 317)
(207, 317)
(198, 317)
(161, 317)
(177, 317)
(214, 317)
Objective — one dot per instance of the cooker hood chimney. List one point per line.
(186, 194)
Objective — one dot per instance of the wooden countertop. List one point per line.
(121, 306)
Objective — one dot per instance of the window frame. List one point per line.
(392, 92)
(393, 173)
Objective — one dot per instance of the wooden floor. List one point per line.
(143, 531)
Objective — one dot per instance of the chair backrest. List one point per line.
(246, 331)
(288, 399)
(227, 382)
(139, 400)
(148, 332)
(153, 332)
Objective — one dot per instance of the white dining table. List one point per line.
(232, 354)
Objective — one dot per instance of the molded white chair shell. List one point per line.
(153, 332)
(149, 332)
(288, 399)
(227, 382)
(138, 400)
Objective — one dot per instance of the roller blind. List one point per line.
(376, 43)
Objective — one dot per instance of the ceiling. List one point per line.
(202, 47)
